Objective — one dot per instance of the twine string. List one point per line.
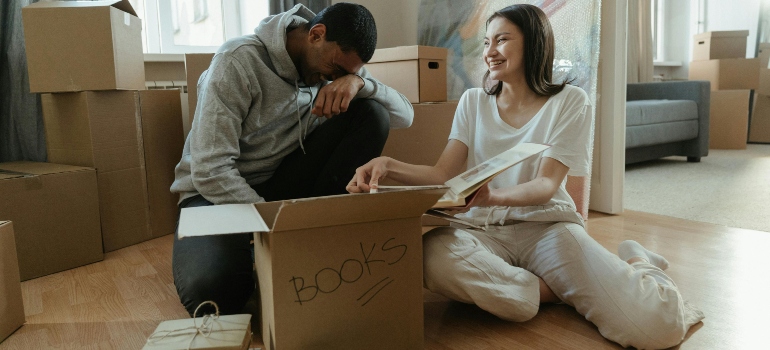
(205, 329)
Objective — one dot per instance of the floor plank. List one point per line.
(117, 303)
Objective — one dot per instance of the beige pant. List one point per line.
(634, 305)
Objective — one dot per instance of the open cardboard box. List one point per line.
(11, 305)
(337, 272)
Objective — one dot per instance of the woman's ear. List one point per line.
(317, 33)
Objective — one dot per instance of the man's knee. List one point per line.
(228, 289)
(372, 114)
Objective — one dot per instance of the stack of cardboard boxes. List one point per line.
(720, 57)
(112, 146)
(759, 125)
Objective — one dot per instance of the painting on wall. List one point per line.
(460, 25)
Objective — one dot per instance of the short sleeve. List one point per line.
(460, 126)
(570, 138)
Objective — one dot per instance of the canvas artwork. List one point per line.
(459, 25)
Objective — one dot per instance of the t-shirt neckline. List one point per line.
(510, 127)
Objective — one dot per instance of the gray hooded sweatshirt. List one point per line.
(253, 110)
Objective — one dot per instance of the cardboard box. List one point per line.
(764, 55)
(764, 81)
(729, 119)
(83, 45)
(727, 74)
(718, 45)
(134, 140)
(338, 272)
(759, 127)
(418, 72)
(11, 304)
(195, 64)
(55, 214)
(424, 141)
(163, 140)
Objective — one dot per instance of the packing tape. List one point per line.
(126, 18)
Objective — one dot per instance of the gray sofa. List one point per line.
(667, 119)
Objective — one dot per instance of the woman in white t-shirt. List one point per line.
(535, 248)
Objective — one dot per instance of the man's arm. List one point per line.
(224, 101)
(401, 111)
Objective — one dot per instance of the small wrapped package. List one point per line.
(229, 332)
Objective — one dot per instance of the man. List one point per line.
(288, 112)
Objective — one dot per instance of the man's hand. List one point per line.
(335, 97)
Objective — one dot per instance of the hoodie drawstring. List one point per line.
(502, 219)
(302, 135)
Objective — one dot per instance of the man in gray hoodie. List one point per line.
(287, 112)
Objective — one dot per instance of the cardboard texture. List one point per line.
(729, 119)
(764, 81)
(339, 272)
(195, 64)
(764, 55)
(163, 143)
(759, 128)
(55, 214)
(727, 74)
(83, 45)
(424, 141)
(134, 160)
(719, 44)
(231, 332)
(418, 72)
(11, 304)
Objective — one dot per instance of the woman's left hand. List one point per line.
(482, 198)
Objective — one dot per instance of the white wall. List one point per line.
(396, 20)
(680, 23)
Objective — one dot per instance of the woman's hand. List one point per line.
(368, 175)
(484, 197)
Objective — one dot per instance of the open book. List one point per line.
(462, 187)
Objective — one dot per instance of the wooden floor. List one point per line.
(117, 303)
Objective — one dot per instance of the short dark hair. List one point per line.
(351, 26)
(538, 49)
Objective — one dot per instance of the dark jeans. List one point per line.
(219, 268)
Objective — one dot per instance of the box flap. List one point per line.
(402, 53)
(36, 168)
(122, 5)
(220, 219)
(354, 208)
(722, 34)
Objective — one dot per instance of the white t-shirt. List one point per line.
(564, 122)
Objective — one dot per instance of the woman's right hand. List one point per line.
(368, 175)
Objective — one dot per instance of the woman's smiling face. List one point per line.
(503, 49)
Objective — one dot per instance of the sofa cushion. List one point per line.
(644, 112)
(656, 134)
(653, 122)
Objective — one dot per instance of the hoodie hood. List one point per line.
(272, 33)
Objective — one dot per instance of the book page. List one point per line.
(466, 183)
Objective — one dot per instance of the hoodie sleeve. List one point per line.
(223, 102)
(401, 111)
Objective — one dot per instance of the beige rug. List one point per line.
(727, 187)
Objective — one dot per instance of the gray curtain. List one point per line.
(22, 136)
(278, 6)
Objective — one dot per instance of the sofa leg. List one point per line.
(693, 159)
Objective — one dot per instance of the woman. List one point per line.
(537, 249)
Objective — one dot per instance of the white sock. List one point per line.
(632, 249)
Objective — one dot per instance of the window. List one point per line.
(180, 26)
